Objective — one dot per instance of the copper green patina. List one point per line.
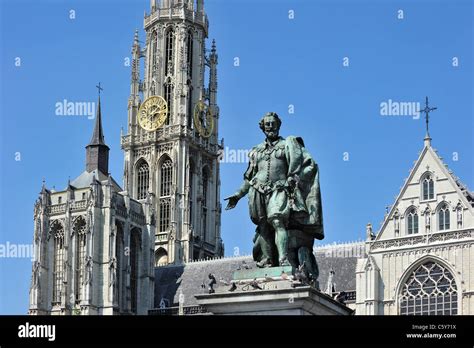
(282, 183)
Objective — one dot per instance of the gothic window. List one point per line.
(169, 52)
(429, 290)
(165, 213)
(205, 187)
(60, 200)
(166, 180)
(443, 217)
(166, 177)
(412, 221)
(58, 270)
(143, 179)
(191, 193)
(189, 58)
(190, 105)
(134, 258)
(427, 187)
(169, 100)
(154, 42)
(80, 234)
(119, 252)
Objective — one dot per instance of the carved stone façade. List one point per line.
(420, 262)
(96, 243)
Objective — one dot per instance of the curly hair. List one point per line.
(269, 114)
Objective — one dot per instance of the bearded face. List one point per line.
(271, 128)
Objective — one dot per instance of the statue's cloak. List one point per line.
(306, 211)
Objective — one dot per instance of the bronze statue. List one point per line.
(282, 181)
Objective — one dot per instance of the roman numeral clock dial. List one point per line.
(152, 114)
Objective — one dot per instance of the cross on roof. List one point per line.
(427, 111)
(99, 88)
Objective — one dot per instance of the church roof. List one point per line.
(188, 278)
(87, 178)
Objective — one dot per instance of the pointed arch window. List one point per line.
(154, 43)
(166, 180)
(119, 252)
(169, 51)
(191, 192)
(143, 179)
(205, 188)
(443, 217)
(429, 290)
(427, 187)
(412, 221)
(81, 243)
(190, 105)
(134, 268)
(189, 58)
(168, 87)
(58, 269)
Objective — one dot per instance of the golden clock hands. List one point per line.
(152, 112)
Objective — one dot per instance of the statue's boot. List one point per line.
(264, 263)
(284, 261)
(282, 243)
(265, 242)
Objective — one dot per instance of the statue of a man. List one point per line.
(282, 181)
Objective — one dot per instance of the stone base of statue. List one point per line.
(269, 291)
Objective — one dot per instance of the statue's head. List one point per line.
(270, 125)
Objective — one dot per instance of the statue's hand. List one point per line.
(291, 181)
(233, 200)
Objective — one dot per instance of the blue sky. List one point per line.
(283, 61)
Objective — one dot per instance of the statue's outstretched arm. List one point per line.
(243, 190)
(234, 199)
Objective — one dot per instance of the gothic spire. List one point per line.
(97, 152)
(98, 134)
(213, 49)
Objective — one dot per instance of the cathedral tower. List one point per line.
(171, 149)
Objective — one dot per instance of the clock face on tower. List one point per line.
(203, 120)
(153, 112)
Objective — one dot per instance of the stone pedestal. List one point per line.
(264, 293)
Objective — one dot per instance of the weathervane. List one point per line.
(427, 111)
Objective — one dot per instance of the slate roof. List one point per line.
(188, 279)
(86, 178)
